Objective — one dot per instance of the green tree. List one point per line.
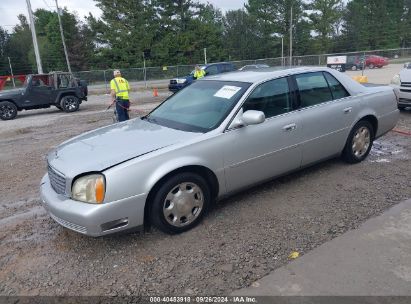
(19, 46)
(371, 24)
(241, 39)
(325, 16)
(126, 30)
(273, 22)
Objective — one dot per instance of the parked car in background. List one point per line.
(253, 67)
(402, 86)
(374, 61)
(354, 63)
(178, 83)
(221, 134)
(58, 89)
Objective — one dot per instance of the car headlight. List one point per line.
(396, 80)
(181, 80)
(89, 188)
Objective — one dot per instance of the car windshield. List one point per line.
(200, 107)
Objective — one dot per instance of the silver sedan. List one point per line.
(217, 136)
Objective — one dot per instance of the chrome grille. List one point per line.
(406, 84)
(69, 225)
(57, 181)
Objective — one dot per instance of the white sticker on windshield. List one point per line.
(227, 92)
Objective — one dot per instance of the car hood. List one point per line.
(405, 75)
(10, 93)
(105, 147)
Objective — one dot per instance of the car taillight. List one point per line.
(397, 95)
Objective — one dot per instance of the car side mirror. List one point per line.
(253, 117)
(250, 117)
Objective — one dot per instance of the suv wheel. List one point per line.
(8, 110)
(69, 103)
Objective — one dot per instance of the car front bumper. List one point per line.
(404, 94)
(175, 87)
(93, 219)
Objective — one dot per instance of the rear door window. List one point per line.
(337, 89)
(313, 89)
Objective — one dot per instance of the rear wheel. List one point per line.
(359, 142)
(180, 203)
(8, 110)
(70, 103)
(371, 66)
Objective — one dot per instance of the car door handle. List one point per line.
(290, 127)
(347, 110)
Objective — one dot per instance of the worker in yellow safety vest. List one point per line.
(119, 91)
(199, 73)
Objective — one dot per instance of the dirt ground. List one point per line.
(244, 238)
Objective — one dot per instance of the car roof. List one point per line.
(217, 63)
(260, 75)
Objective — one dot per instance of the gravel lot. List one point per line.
(242, 239)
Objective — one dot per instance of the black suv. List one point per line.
(42, 91)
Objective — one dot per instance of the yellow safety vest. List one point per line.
(199, 74)
(120, 86)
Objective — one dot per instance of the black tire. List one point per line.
(59, 107)
(180, 183)
(8, 110)
(371, 66)
(355, 152)
(69, 103)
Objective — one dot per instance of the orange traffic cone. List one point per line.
(155, 92)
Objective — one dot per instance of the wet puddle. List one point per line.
(387, 150)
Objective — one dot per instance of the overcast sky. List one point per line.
(9, 9)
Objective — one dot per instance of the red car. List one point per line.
(373, 61)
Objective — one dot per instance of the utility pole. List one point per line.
(62, 38)
(291, 37)
(33, 34)
(145, 71)
(205, 55)
(11, 71)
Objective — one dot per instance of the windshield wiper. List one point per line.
(151, 119)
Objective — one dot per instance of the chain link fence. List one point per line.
(101, 78)
(167, 72)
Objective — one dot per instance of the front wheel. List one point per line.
(180, 203)
(359, 142)
(8, 110)
(70, 103)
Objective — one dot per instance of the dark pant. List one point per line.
(122, 106)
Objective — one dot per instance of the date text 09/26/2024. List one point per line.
(203, 299)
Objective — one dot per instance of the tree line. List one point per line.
(171, 32)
